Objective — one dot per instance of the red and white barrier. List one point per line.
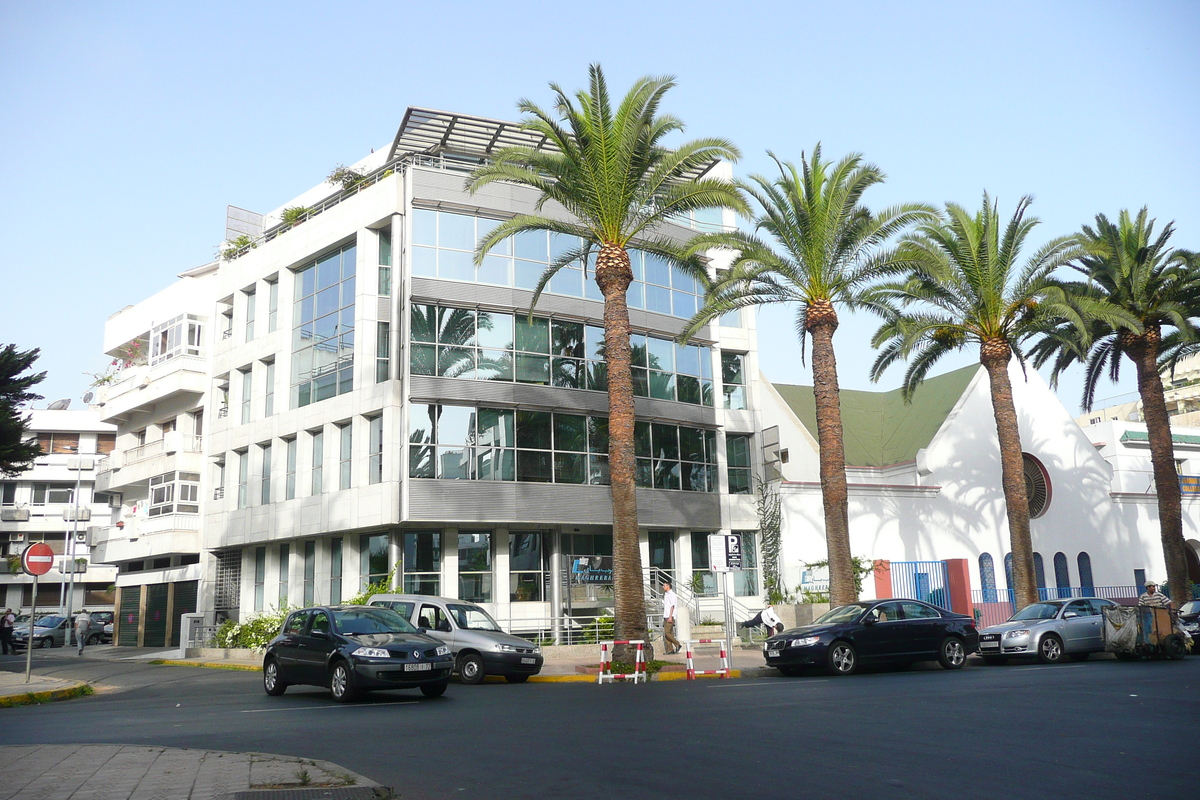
(692, 672)
(639, 665)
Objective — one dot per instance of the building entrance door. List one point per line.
(662, 553)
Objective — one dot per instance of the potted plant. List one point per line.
(294, 215)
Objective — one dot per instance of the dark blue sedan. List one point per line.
(355, 648)
(893, 631)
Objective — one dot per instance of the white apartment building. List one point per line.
(57, 502)
(369, 403)
(156, 401)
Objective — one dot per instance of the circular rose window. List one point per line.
(1037, 485)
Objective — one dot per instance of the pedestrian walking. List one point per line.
(766, 617)
(670, 602)
(7, 623)
(83, 624)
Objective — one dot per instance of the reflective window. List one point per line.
(738, 463)
(733, 379)
(373, 558)
(475, 566)
(527, 563)
(323, 328)
(918, 611)
(422, 562)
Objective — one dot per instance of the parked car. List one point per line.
(1189, 620)
(352, 649)
(1047, 631)
(48, 631)
(480, 645)
(898, 632)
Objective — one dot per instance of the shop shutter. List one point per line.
(127, 622)
(154, 633)
(185, 603)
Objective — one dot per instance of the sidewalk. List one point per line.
(123, 772)
(14, 691)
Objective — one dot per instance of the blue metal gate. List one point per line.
(922, 580)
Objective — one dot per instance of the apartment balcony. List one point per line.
(145, 386)
(175, 452)
(155, 537)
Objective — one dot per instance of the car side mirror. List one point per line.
(320, 634)
(869, 620)
(422, 630)
(1071, 615)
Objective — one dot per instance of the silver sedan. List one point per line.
(1047, 631)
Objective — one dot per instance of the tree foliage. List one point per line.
(16, 452)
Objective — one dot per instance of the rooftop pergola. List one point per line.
(425, 131)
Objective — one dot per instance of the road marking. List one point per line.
(759, 684)
(310, 708)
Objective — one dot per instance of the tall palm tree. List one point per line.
(610, 172)
(1141, 300)
(818, 253)
(961, 285)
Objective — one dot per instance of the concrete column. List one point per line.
(450, 562)
(960, 585)
(883, 579)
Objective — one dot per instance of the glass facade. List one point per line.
(373, 558)
(738, 463)
(444, 247)
(475, 566)
(422, 562)
(733, 379)
(529, 566)
(745, 582)
(335, 570)
(495, 444)
(491, 346)
(323, 328)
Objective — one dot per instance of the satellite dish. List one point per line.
(59, 405)
(87, 398)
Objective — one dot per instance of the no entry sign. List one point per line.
(37, 559)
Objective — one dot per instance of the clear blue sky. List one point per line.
(127, 128)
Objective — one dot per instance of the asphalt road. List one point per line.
(1100, 729)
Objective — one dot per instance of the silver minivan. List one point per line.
(480, 645)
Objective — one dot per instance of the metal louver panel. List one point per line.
(154, 633)
(184, 603)
(127, 622)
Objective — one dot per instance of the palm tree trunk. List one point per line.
(1162, 457)
(613, 275)
(822, 321)
(995, 355)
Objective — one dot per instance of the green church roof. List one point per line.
(879, 428)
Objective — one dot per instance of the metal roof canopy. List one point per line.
(428, 132)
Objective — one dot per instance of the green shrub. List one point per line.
(293, 214)
(254, 633)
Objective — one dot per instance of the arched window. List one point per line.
(1037, 485)
(1085, 574)
(987, 577)
(1062, 576)
(1008, 578)
(1039, 574)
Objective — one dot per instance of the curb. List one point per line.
(207, 665)
(36, 698)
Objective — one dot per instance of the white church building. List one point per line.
(924, 486)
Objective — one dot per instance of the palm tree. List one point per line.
(818, 255)
(1135, 288)
(960, 285)
(608, 169)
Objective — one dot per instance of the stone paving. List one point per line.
(129, 772)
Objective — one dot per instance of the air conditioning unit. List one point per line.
(81, 537)
(16, 537)
(92, 534)
(14, 515)
(84, 514)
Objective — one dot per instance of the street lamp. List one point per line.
(69, 598)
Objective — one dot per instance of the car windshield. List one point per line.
(473, 618)
(840, 614)
(1037, 611)
(1190, 607)
(365, 621)
(49, 622)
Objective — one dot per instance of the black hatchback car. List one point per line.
(875, 632)
(352, 649)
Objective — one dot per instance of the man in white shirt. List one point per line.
(670, 601)
(766, 617)
(83, 624)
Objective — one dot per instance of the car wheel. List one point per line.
(995, 661)
(341, 682)
(91, 640)
(516, 678)
(952, 654)
(1078, 656)
(1174, 647)
(842, 658)
(44, 643)
(434, 689)
(1050, 649)
(272, 683)
(790, 672)
(470, 669)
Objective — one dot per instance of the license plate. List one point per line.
(423, 666)
(989, 645)
(773, 653)
(528, 660)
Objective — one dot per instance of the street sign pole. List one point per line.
(29, 641)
